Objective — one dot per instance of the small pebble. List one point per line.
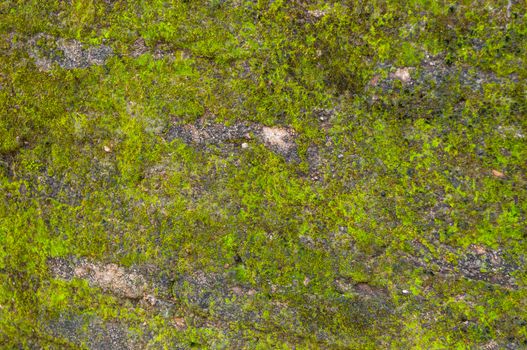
(405, 291)
(245, 145)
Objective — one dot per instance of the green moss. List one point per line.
(412, 175)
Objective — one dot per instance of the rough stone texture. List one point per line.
(108, 277)
(403, 74)
(113, 278)
(205, 299)
(431, 81)
(95, 333)
(478, 263)
(68, 54)
(280, 140)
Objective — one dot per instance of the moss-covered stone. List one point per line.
(263, 174)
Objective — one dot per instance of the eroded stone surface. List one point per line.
(112, 278)
(95, 333)
(109, 277)
(67, 53)
(207, 300)
(478, 263)
(279, 139)
(431, 76)
(403, 74)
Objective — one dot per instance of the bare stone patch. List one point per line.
(432, 76)
(109, 277)
(67, 53)
(477, 263)
(279, 139)
(112, 278)
(403, 74)
(95, 333)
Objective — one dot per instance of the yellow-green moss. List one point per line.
(413, 174)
